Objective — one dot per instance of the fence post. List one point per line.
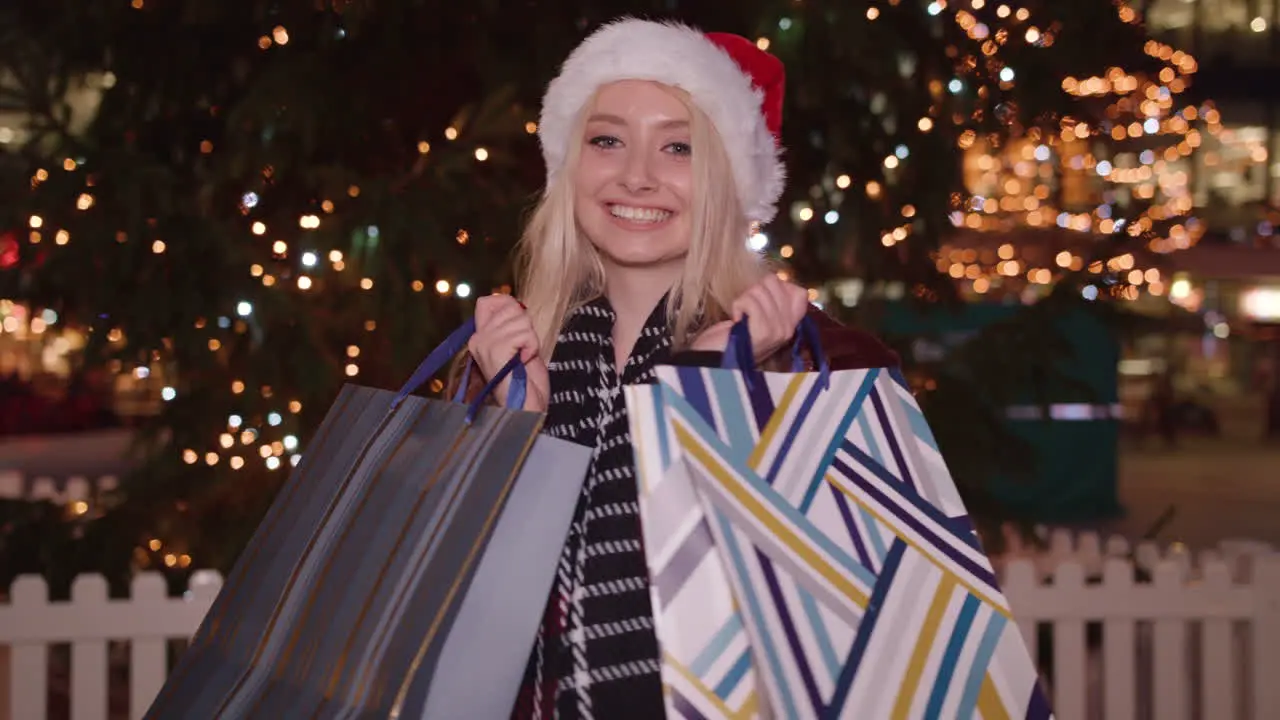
(1069, 658)
(1021, 583)
(89, 655)
(1117, 546)
(1148, 555)
(1120, 686)
(1089, 551)
(1169, 657)
(30, 660)
(1217, 666)
(1266, 635)
(147, 655)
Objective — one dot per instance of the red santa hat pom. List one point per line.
(737, 85)
(767, 74)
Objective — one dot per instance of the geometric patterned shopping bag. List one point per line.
(811, 556)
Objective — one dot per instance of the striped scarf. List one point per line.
(596, 655)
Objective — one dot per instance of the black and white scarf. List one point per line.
(597, 655)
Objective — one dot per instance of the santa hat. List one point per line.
(737, 85)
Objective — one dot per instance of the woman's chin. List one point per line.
(643, 258)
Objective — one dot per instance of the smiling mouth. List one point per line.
(639, 214)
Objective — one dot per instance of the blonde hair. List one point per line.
(558, 269)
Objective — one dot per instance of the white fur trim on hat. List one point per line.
(680, 56)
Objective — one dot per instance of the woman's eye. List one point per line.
(605, 141)
(680, 148)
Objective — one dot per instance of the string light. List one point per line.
(304, 282)
(1011, 183)
(1144, 107)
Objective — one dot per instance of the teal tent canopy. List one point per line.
(1071, 420)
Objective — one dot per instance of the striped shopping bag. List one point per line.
(402, 570)
(810, 554)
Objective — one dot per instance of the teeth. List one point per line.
(648, 215)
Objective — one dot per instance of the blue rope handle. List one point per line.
(515, 394)
(445, 352)
(739, 356)
(807, 334)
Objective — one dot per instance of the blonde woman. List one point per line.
(662, 150)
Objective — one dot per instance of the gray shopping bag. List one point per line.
(401, 572)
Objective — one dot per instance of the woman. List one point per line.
(662, 151)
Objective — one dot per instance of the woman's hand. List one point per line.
(503, 328)
(773, 308)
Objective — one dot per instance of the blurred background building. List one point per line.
(1211, 286)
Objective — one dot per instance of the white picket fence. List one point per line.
(1059, 545)
(148, 620)
(1199, 641)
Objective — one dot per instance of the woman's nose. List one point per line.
(637, 174)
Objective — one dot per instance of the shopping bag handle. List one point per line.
(445, 352)
(515, 393)
(739, 356)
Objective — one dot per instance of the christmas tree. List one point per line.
(247, 203)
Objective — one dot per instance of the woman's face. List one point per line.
(633, 191)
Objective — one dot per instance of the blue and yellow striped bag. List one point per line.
(810, 554)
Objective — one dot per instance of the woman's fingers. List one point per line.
(795, 303)
(768, 296)
(773, 308)
(503, 329)
(516, 333)
(494, 310)
(505, 333)
(497, 314)
(766, 320)
(749, 304)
